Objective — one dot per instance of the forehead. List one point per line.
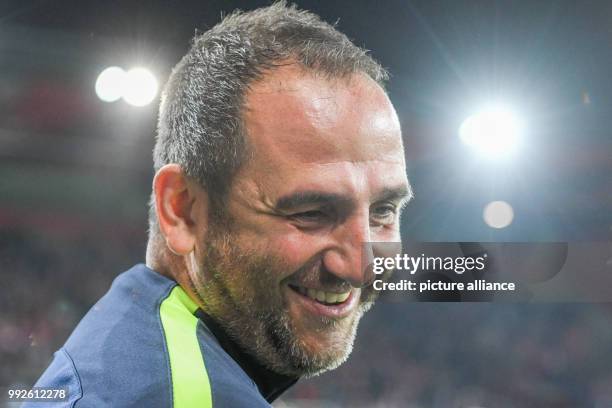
(307, 132)
(299, 115)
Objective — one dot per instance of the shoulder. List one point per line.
(141, 345)
(116, 356)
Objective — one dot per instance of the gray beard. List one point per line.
(233, 288)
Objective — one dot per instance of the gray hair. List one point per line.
(200, 123)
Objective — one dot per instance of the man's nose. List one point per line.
(350, 255)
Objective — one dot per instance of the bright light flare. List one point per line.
(493, 132)
(140, 87)
(498, 214)
(110, 84)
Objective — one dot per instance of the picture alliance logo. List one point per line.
(412, 264)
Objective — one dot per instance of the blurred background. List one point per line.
(506, 108)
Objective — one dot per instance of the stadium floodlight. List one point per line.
(110, 84)
(498, 214)
(140, 87)
(493, 132)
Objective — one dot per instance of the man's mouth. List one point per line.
(321, 296)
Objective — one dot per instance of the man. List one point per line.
(278, 155)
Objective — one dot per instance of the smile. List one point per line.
(321, 296)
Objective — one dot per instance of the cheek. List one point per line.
(386, 234)
(295, 248)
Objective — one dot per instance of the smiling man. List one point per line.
(278, 155)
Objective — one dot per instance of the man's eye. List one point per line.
(384, 214)
(310, 216)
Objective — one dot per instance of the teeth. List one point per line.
(324, 297)
(342, 297)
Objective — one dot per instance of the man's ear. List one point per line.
(182, 209)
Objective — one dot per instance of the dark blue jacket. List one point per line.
(146, 344)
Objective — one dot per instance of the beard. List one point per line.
(240, 289)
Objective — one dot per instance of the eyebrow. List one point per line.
(401, 193)
(305, 198)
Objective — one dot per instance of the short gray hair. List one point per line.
(200, 124)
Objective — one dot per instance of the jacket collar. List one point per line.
(270, 384)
